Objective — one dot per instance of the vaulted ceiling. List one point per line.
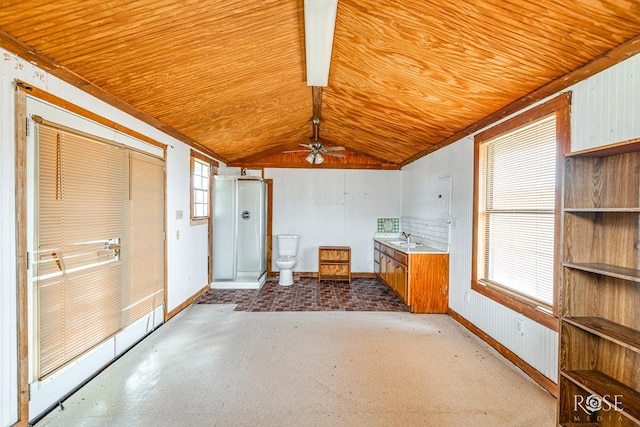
(406, 77)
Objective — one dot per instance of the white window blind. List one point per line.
(517, 211)
(145, 226)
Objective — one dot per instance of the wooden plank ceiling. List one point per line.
(406, 77)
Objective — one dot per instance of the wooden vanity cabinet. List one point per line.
(420, 280)
(401, 279)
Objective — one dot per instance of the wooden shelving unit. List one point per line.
(334, 263)
(600, 296)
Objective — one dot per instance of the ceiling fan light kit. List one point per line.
(316, 149)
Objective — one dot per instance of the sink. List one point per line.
(408, 245)
(404, 244)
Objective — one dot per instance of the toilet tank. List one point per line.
(287, 244)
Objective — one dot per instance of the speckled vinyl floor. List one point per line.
(307, 294)
(213, 366)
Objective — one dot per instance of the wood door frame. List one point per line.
(21, 254)
(269, 240)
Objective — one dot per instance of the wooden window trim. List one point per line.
(560, 106)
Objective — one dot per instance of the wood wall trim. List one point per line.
(325, 165)
(277, 158)
(186, 303)
(609, 59)
(214, 172)
(165, 283)
(48, 97)
(205, 158)
(533, 373)
(627, 146)
(21, 257)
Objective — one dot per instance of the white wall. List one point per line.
(8, 319)
(605, 109)
(330, 207)
(187, 265)
(187, 245)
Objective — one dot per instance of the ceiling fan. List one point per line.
(316, 149)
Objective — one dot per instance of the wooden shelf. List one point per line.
(606, 270)
(334, 263)
(621, 335)
(628, 146)
(580, 425)
(604, 210)
(600, 328)
(605, 387)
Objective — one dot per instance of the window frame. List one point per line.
(195, 156)
(547, 316)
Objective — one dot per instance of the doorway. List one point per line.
(95, 241)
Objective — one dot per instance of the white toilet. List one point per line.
(286, 260)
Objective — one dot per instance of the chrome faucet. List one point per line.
(406, 235)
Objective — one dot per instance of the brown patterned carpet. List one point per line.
(307, 294)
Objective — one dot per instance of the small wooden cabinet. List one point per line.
(420, 280)
(599, 354)
(334, 263)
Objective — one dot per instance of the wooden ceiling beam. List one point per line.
(316, 98)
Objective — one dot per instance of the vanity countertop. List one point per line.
(400, 245)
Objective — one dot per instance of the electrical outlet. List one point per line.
(519, 327)
(467, 297)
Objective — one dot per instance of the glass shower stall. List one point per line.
(239, 232)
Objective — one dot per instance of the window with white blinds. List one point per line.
(517, 196)
(517, 210)
(99, 264)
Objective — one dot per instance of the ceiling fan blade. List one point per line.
(306, 145)
(329, 153)
(335, 148)
(297, 151)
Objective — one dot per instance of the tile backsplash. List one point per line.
(388, 225)
(434, 229)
